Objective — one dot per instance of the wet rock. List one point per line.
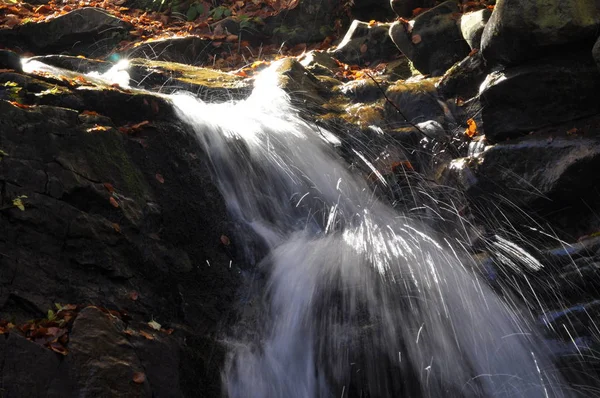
(73, 63)
(434, 42)
(191, 50)
(545, 177)
(417, 101)
(309, 21)
(303, 87)
(521, 99)
(400, 69)
(404, 8)
(101, 359)
(472, 24)
(98, 224)
(30, 370)
(464, 78)
(522, 30)
(86, 31)
(319, 63)
(10, 60)
(365, 43)
(209, 84)
(363, 90)
(565, 254)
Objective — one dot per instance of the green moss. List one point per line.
(190, 74)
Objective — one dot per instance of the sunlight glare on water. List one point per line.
(360, 300)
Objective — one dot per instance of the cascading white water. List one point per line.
(360, 300)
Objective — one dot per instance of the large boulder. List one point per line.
(433, 41)
(85, 31)
(472, 25)
(106, 196)
(365, 43)
(521, 30)
(521, 99)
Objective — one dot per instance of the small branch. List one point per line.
(389, 101)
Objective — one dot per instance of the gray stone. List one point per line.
(521, 30)
(433, 41)
(101, 359)
(31, 370)
(472, 25)
(528, 97)
(88, 31)
(365, 43)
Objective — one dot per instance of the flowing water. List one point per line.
(359, 300)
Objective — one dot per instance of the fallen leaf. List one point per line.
(58, 348)
(416, 39)
(160, 178)
(572, 131)
(471, 130)
(147, 335)
(116, 227)
(109, 187)
(134, 295)
(113, 202)
(139, 378)
(363, 48)
(154, 325)
(225, 240)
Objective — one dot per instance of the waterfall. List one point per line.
(359, 301)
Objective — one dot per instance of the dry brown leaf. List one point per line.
(139, 378)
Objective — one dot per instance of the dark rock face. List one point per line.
(404, 8)
(434, 42)
(364, 44)
(191, 50)
(106, 213)
(521, 30)
(85, 31)
(102, 360)
(464, 78)
(531, 96)
(10, 60)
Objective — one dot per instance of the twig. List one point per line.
(389, 101)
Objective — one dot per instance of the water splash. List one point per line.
(360, 300)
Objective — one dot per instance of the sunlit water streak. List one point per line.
(360, 301)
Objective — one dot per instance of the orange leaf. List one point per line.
(147, 335)
(471, 130)
(113, 202)
(90, 113)
(109, 187)
(22, 106)
(58, 348)
(139, 378)
(372, 22)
